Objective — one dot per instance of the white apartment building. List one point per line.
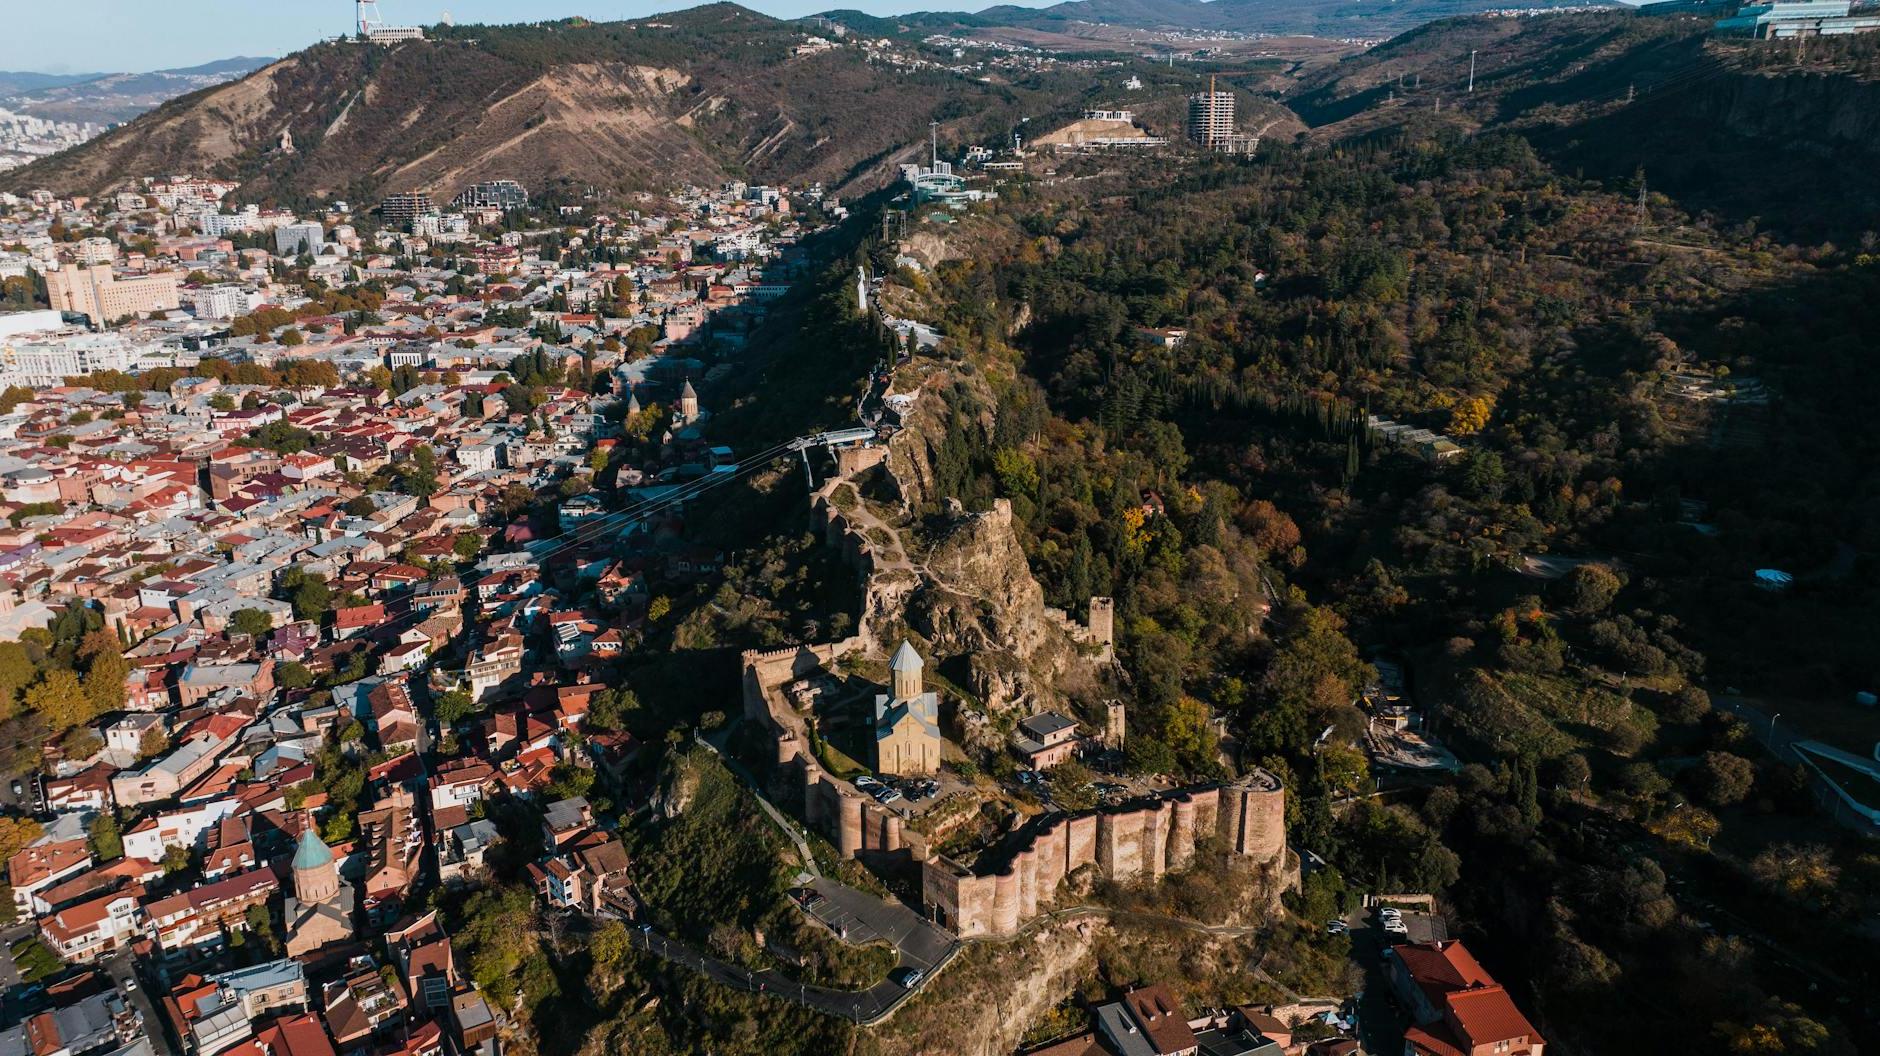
(215, 224)
(450, 227)
(97, 251)
(222, 301)
(52, 358)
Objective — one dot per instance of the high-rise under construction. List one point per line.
(1211, 118)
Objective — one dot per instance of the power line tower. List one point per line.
(1639, 224)
(1471, 71)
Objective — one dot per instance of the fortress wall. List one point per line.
(1253, 818)
(1004, 903)
(849, 825)
(1156, 826)
(1028, 884)
(1181, 840)
(1080, 842)
(1051, 847)
(1142, 841)
(1120, 844)
(1207, 803)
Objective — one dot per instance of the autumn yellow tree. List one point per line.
(60, 699)
(1471, 415)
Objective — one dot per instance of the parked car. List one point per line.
(907, 978)
(1337, 927)
(866, 783)
(886, 794)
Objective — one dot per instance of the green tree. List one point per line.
(103, 836)
(293, 675)
(611, 708)
(1589, 589)
(255, 623)
(1722, 778)
(154, 742)
(308, 592)
(420, 474)
(453, 707)
(175, 859)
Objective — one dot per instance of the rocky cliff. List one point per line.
(975, 599)
(981, 602)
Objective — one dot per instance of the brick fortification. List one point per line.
(1143, 841)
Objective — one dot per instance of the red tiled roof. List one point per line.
(1161, 1018)
(1487, 1015)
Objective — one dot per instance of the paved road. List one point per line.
(9, 972)
(860, 1006)
(920, 944)
(122, 967)
(1768, 729)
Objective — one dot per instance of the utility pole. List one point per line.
(1471, 71)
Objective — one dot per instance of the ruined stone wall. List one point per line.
(1142, 841)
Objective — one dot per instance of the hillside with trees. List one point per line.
(1553, 330)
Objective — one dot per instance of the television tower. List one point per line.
(368, 16)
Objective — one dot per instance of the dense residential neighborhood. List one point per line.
(304, 562)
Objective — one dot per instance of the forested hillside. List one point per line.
(1740, 128)
(1556, 331)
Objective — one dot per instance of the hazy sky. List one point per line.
(108, 36)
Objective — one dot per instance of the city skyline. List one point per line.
(140, 37)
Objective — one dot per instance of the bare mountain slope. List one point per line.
(696, 96)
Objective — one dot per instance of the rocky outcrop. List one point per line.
(678, 787)
(980, 601)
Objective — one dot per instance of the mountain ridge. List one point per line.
(1323, 18)
(695, 96)
(112, 98)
